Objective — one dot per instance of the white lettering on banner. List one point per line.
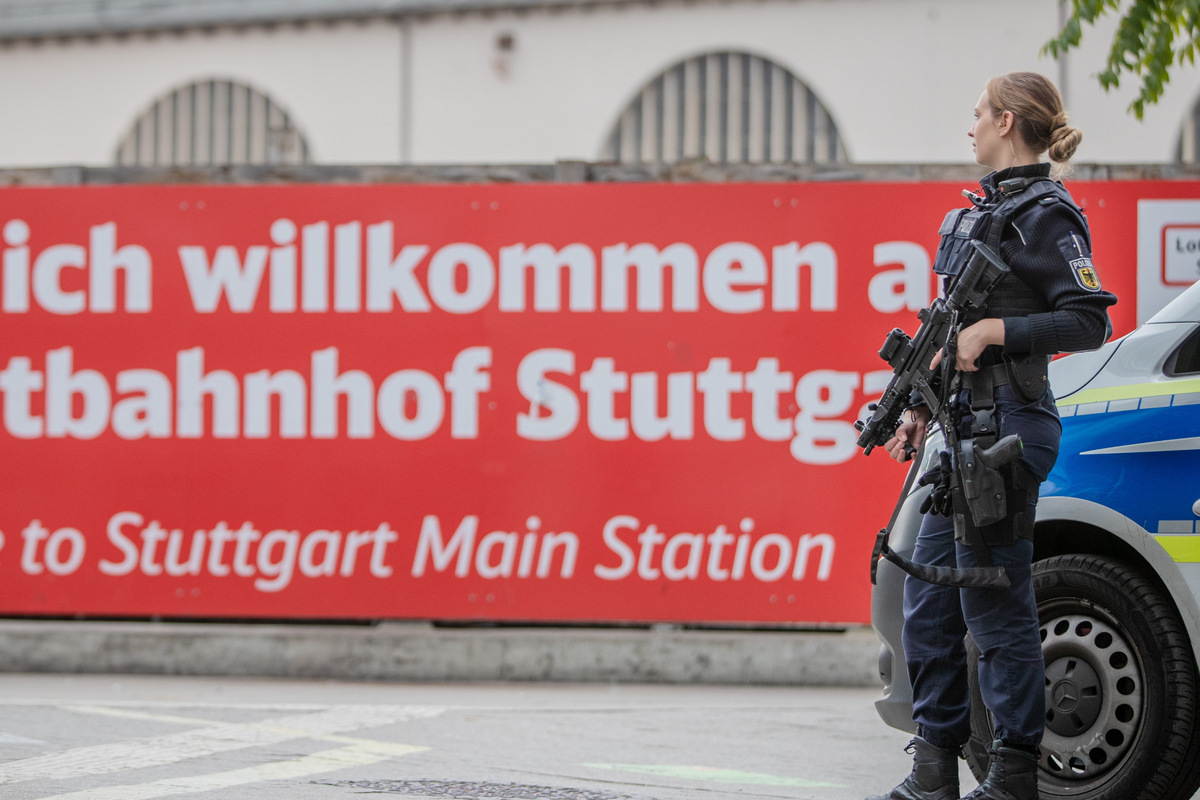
(62, 553)
(499, 554)
(101, 260)
(460, 277)
(63, 385)
(143, 405)
(347, 277)
(225, 276)
(443, 277)
(733, 265)
(547, 265)
(393, 276)
(272, 559)
(314, 286)
(19, 382)
(650, 265)
(787, 259)
(907, 288)
(690, 556)
(821, 438)
(817, 430)
(553, 408)
(283, 266)
(412, 405)
(464, 278)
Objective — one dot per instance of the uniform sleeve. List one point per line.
(1052, 254)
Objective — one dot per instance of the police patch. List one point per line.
(1085, 274)
(1078, 256)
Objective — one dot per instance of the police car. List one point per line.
(1116, 574)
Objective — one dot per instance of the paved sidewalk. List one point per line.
(395, 651)
(117, 737)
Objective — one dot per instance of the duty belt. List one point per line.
(983, 382)
(1027, 376)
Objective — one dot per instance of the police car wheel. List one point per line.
(1121, 686)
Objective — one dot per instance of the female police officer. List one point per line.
(1050, 302)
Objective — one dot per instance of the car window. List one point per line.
(1186, 359)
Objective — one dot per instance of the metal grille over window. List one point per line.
(213, 122)
(726, 108)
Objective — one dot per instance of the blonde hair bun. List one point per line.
(1064, 141)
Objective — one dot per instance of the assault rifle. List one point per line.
(910, 357)
(911, 360)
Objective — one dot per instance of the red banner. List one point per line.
(541, 402)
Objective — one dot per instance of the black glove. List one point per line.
(940, 501)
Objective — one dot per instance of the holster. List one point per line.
(994, 485)
(982, 484)
(992, 497)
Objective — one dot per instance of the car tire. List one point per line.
(1121, 686)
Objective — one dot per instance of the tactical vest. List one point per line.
(986, 221)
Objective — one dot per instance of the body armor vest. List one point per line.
(986, 221)
(1012, 484)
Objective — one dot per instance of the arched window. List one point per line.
(213, 122)
(728, 108)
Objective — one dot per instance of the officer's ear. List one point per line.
(1005, 122)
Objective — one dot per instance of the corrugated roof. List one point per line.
(47, 18)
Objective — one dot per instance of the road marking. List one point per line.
(716, 775)
(400, 749)
(214, 737)
(324, 761)
(10, 738)
(130, 713)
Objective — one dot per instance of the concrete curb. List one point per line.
(421, 652)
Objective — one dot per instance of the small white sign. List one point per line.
(1181, 255)
(1168, 252)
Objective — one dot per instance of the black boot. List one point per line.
(1012, 775)
(934, 774)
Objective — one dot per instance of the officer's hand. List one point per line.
(974, 339)
(911, 433)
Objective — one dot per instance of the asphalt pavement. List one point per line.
(122, 737)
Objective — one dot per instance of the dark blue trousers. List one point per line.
(1003, 622)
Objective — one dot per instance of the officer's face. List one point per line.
(988, 145)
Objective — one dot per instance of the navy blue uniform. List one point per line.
(1051, 302)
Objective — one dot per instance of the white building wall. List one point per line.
(73, 102)
(899, 77)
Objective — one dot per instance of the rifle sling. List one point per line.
(961, 577)
(881, 547)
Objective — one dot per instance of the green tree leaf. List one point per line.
(1151, 37)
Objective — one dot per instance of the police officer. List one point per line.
(1051, 302)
